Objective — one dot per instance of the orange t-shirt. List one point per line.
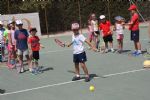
(34, 41)
(105, 28)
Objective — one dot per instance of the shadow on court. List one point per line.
(2, 91)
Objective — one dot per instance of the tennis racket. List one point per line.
(60, 43)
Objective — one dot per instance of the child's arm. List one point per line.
(92, 47)
(69, 44)
(42, 46)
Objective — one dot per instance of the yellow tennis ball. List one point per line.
(91, 88)
(146, 63)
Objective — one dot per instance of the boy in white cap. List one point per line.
(21, 36)
(79, 55)
(105, 27)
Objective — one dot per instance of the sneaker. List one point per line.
(22, 70)
(75, 78)
(87, 79)
(112, 50)
(138, 53)
(34, 72)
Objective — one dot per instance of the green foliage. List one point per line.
(61, 13)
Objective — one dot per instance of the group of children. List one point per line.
(104, 28)
(18, 43)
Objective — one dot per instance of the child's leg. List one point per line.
(21, 62)
(135, 45)
(26, 52)
(3, 53)
(77, 70)
(121, 42)
(97, 41)
(83, 65)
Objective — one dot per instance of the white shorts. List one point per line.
(23, 52)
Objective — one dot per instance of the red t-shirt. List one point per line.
(105, 28)
(34, 41)
(135, 20)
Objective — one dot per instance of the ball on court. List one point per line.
(146, 64)
(91, 88)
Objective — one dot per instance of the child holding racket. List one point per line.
(79, 55)
(34, 47)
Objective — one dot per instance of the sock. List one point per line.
(139, 51)
(77, 75)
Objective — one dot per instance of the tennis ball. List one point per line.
(91, 88)
(146, 63)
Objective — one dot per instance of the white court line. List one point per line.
(69, 82)
(55, 51)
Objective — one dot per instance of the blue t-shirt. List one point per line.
(21, 37)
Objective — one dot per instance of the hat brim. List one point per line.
(119, 18)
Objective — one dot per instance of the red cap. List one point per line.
(132, 7)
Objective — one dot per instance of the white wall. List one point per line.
(29, 19)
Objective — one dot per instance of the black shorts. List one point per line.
(108, 38)
(35, 55)
(79, 58)
(135, 36)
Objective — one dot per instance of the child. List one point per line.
(90, 30)
(94, 24)
(21, 37)
(104, 26)
(11, 45)
(79, 55)
(119, 28)
(134, 28)
(2, 42)
(34, 47)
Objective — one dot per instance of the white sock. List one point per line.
(139, 51)
(77, 75)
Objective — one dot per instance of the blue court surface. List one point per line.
(115, 76)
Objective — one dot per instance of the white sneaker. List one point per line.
(22, 70)
(112, 50)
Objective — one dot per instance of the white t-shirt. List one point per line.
(94, 24)
(119, 29)
(78, 41)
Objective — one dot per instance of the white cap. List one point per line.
(19, 22)
(75, 26)
(1, 23)
(102, 17)
(10, 22)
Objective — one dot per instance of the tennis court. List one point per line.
(119, 76)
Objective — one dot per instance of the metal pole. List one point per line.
(46, 21)
(80, 16)
(8, 6)
(109, 10)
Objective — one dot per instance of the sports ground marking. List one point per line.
(69, 82)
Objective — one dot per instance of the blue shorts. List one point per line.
(79, 58)
(135, 36)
